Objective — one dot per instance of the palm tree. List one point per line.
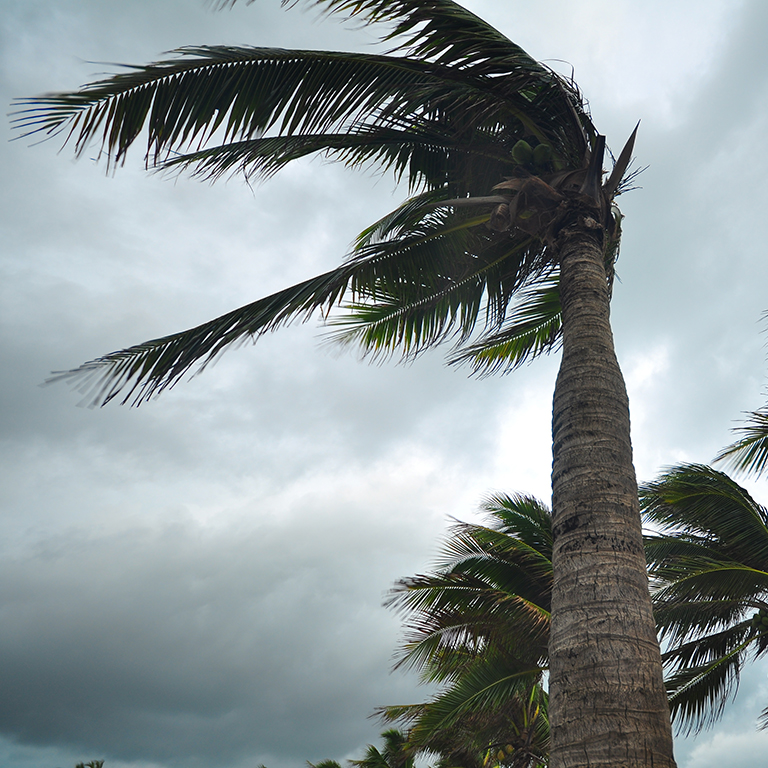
(479, 626)
(709, 567)
(395, 753)
(485, 720)
(506, 247)
(480, 622)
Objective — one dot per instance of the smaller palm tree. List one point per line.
(395, 753)
(709, 572)
(479, 625)
(489, 719)
(492, 588)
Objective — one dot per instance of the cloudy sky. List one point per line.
(198, 582)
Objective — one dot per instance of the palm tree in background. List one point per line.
(506, 248)
(394, 754)
(478, 626)
(749, 452)
(709, 567)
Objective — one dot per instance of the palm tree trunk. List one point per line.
(608, 706)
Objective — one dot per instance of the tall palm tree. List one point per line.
(478, 625)
(709, 567)
(506, 248)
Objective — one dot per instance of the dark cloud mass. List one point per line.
(199, 582)
(151, 642)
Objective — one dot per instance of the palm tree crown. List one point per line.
(446, 113)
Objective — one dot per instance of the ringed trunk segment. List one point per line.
(608, 705)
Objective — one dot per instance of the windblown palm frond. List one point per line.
(466, 273)
(709, 576)
(533, 327)
(444, 110)
(749, 453)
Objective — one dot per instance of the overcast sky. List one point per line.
(198, 582)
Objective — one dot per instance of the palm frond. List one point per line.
(489, 594)
(447, 33)
(708, 647)
(749, 454)
(708, 571)
(698, 694)
(245, 93)
(459, 269)
(484, 691)
(142, 371)
(716, 583)
(522, 518)
(395, 753)
(694, 498)
(437, 298)
(424, 155)
(531, 329)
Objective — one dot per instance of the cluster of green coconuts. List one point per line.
(760, 620)
(503, 754)
(537, 159)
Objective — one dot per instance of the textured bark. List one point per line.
(607, 701)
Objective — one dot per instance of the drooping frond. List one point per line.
(241, 94)
(696, 499)
(137, 373)
(749, 453)
(698, 694)
(530, 329)
(430, 279)
(246, 92)
(423, 156)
